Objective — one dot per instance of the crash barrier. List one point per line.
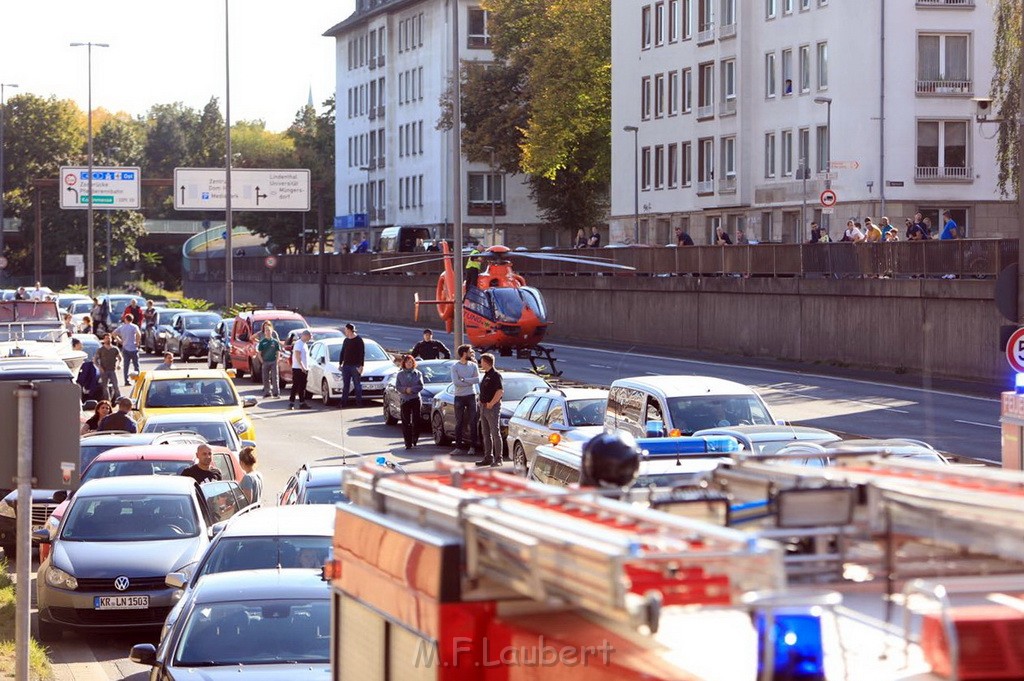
(934, 258)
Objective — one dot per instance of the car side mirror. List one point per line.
(89, 405)
(560, 427)
(249, 401)
(781, 422)
(143, 653)
(176, 580)
(42, 536)
(60, 496)
(322, 360)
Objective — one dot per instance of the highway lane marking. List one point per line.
(336, 445)
(983, 425)
(898, 411)
(652, 373)
(747, 368)
(599, 366)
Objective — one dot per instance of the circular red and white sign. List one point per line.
(828, 198)
(1015, 350)
(70, 179)
(270, 261)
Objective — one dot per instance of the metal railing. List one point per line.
(706, 35)
(705, 186)
(706, 110)
(945, 3)
(945, 87)
(973, 258)
(958, 173)
(727, 185)
(729, 106)
(727, 31)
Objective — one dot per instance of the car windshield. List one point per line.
(588, 412)
(117, 307)
(233, 554)
(284, 326)
(29, 311)
(216, 433)
(165, 316)
(256, 632)
(372, 352)
(86, 453)
(325, 495)
(116, 469)
(690, 414)
(436, 373)
(201, 322)
(80, 307)
(133, 517)
(516, 387)
(191, 392)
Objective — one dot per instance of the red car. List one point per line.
(168, 459)
(245, 336)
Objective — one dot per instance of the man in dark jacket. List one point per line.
(120, 419)
(88, 376)
(353, 355)
(428, 348)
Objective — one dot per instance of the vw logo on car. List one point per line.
(121, 583)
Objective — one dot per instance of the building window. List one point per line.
(479, 36)
(705, 18)
(822, 66)
(729, 86)
(685, 167)
(672, 96)
(645, 27)
(672, 159)
(942, 150)
(805, 69)
(687, 91)
(821, 145)
(805, 5)
(659, 23)
(729, 157)
(673, 20)
(769, 75)
(687, 20)
(769, 155)
(645, 98)
(705, 165)
(787, 72)
(804, 152)
(770, 8)
(787, 153)
(659, 167)
(645, 168)
(485, 188)
(943, 64)
(706, 90)
(728, 15)
(659, 95)
(787, 6)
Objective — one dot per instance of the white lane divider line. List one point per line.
(335, 445)
(652, 373)
(898, 411)
(983, 425)
(599, 366)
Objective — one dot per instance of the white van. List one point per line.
(647, 406)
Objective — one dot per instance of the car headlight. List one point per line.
(240, 426)
(6, 510)
(60, 579)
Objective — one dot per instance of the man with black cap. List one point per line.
(120, 419)
(428, 348)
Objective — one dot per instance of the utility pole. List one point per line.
(3, 113)
(229, 254)
(1020, 169)
(457, 285)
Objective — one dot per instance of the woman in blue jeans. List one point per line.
(409, 383)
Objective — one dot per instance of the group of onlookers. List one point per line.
(917, 229)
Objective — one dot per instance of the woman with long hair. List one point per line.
(92, 424)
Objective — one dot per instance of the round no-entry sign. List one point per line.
(1015, 350)
(828, 198)
(270, 262)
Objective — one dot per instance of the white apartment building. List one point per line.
(393, 164)
(732, 97)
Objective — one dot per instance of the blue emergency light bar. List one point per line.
(655, 447)
(1019, 384)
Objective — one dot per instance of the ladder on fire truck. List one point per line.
(572, 547)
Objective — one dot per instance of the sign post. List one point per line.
(1015, 350)
(270, 262)
(828, 198)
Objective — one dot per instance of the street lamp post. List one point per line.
(90, 246)
(369, 201)
(3, 113)
(490, 196)
(827, 101)
(229, 254)
(636, 181)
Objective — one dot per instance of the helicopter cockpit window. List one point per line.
(534, 301)
(477, 301)
(508, 304)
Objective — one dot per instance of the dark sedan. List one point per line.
(314, 485)
(219, 348)
(437, 374)
(263, 624)
(190, 334)
(154, 337)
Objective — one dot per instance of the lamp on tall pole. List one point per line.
(3, 113)
(827, 101)
(636, 181)
(90, 246)
(229, 254)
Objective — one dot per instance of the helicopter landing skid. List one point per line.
(539, 353)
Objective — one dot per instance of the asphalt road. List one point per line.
(959, 424)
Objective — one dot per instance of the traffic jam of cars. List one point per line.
(239, 578)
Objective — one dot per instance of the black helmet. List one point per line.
(610, 460)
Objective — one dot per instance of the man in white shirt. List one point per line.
(131, 338)
(300, 371)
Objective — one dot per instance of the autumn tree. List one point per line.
(1006, 84)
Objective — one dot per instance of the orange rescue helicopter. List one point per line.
(501, 313)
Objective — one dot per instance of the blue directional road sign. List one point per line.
(113, 188)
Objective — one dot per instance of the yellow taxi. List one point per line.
(192, 391)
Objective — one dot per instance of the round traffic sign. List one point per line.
(1015, 350)
(70, 179)
(3, 263)
(270, 261)
(828, 198)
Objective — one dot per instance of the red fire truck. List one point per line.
(454, 574)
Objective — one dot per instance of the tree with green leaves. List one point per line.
(1006, 84)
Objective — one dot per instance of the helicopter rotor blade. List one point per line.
(387, 258)
(575, 259)
(408, 264)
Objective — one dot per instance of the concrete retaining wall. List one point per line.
(948, 328)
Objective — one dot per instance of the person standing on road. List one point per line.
(428, 348)
(409, 383)
(203, 470)
(167, 364)
(269, 347)
(465, 378)
(130, 336)
(300, 370)
(135, 311)
(120, 419)
(88, 378)
(353, 354)
(107, 358)
(491, 392)
(149, 315)
(252, 482)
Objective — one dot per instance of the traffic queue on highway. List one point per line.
(629, 530)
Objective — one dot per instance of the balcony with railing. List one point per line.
(945, 87)
(727, 185)
(478, 208)
(705, 187)
(957, 4)
(706, 34)
(706, 111)
(728, 107)
(727, 31)
(944, 174)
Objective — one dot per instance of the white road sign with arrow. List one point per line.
(252, 189)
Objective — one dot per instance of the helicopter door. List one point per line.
(479, 302)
